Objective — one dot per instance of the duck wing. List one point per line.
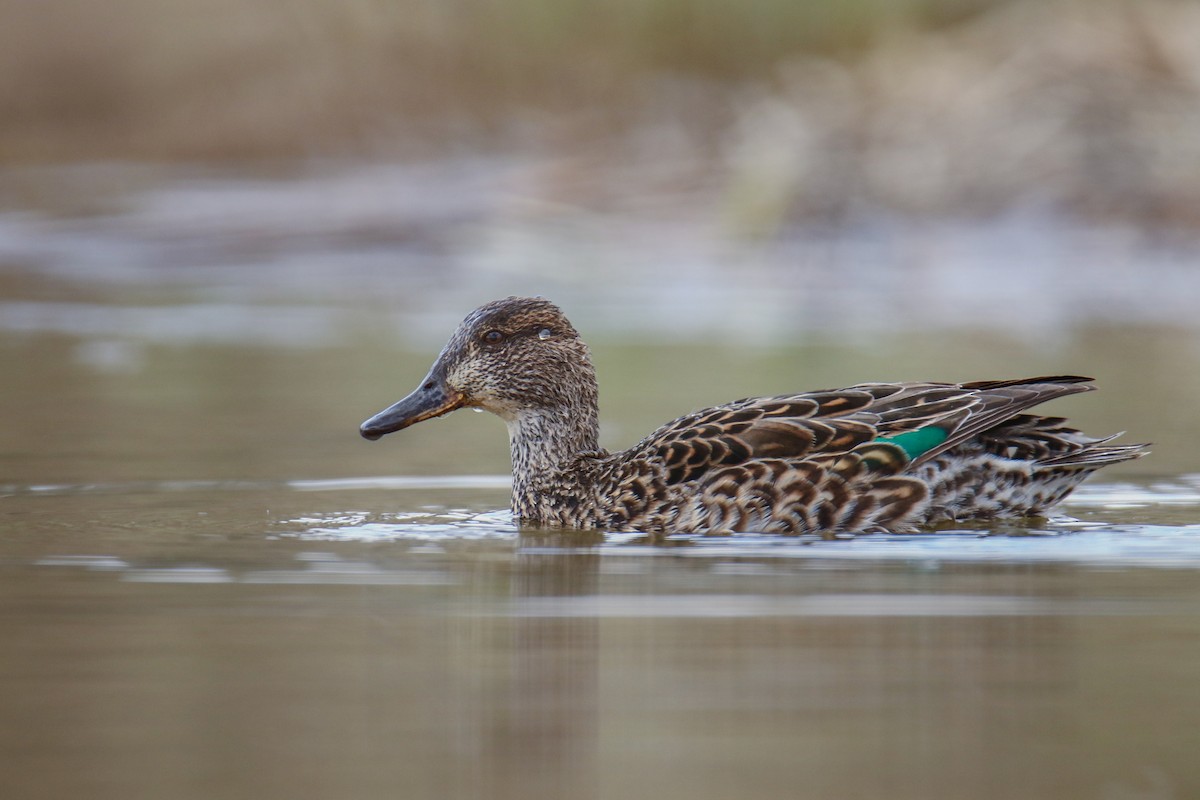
(890, 426)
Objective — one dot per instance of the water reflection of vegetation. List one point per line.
(242, 414)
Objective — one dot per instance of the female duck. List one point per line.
(872, 457)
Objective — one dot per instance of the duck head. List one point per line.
(518, 357)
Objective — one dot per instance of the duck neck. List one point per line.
(543, 443)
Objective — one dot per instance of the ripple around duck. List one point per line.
(1110, 525)
(1120, 525)
(447, 525)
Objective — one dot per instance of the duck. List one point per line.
(869, 458)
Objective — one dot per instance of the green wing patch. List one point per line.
(914, 443)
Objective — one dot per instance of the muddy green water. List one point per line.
(211, 587)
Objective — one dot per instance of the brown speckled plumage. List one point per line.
(823, 461)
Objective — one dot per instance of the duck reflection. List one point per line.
(539, 719)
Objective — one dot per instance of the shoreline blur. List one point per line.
(786, 111)
(225, 197)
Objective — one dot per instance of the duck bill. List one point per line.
(433, 399)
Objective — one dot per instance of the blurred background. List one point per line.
(227, 220)
(231, 230)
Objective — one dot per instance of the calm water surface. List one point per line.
(308, 639)
(211, 587)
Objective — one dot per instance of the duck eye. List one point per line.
(493, 337)
(545, 333)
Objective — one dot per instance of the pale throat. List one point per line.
(541, 441)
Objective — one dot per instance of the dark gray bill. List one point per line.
(432, 399)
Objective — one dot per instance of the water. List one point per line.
(307, 639)
(210, 586)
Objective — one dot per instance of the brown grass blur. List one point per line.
(166, 78)
(922, 105)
